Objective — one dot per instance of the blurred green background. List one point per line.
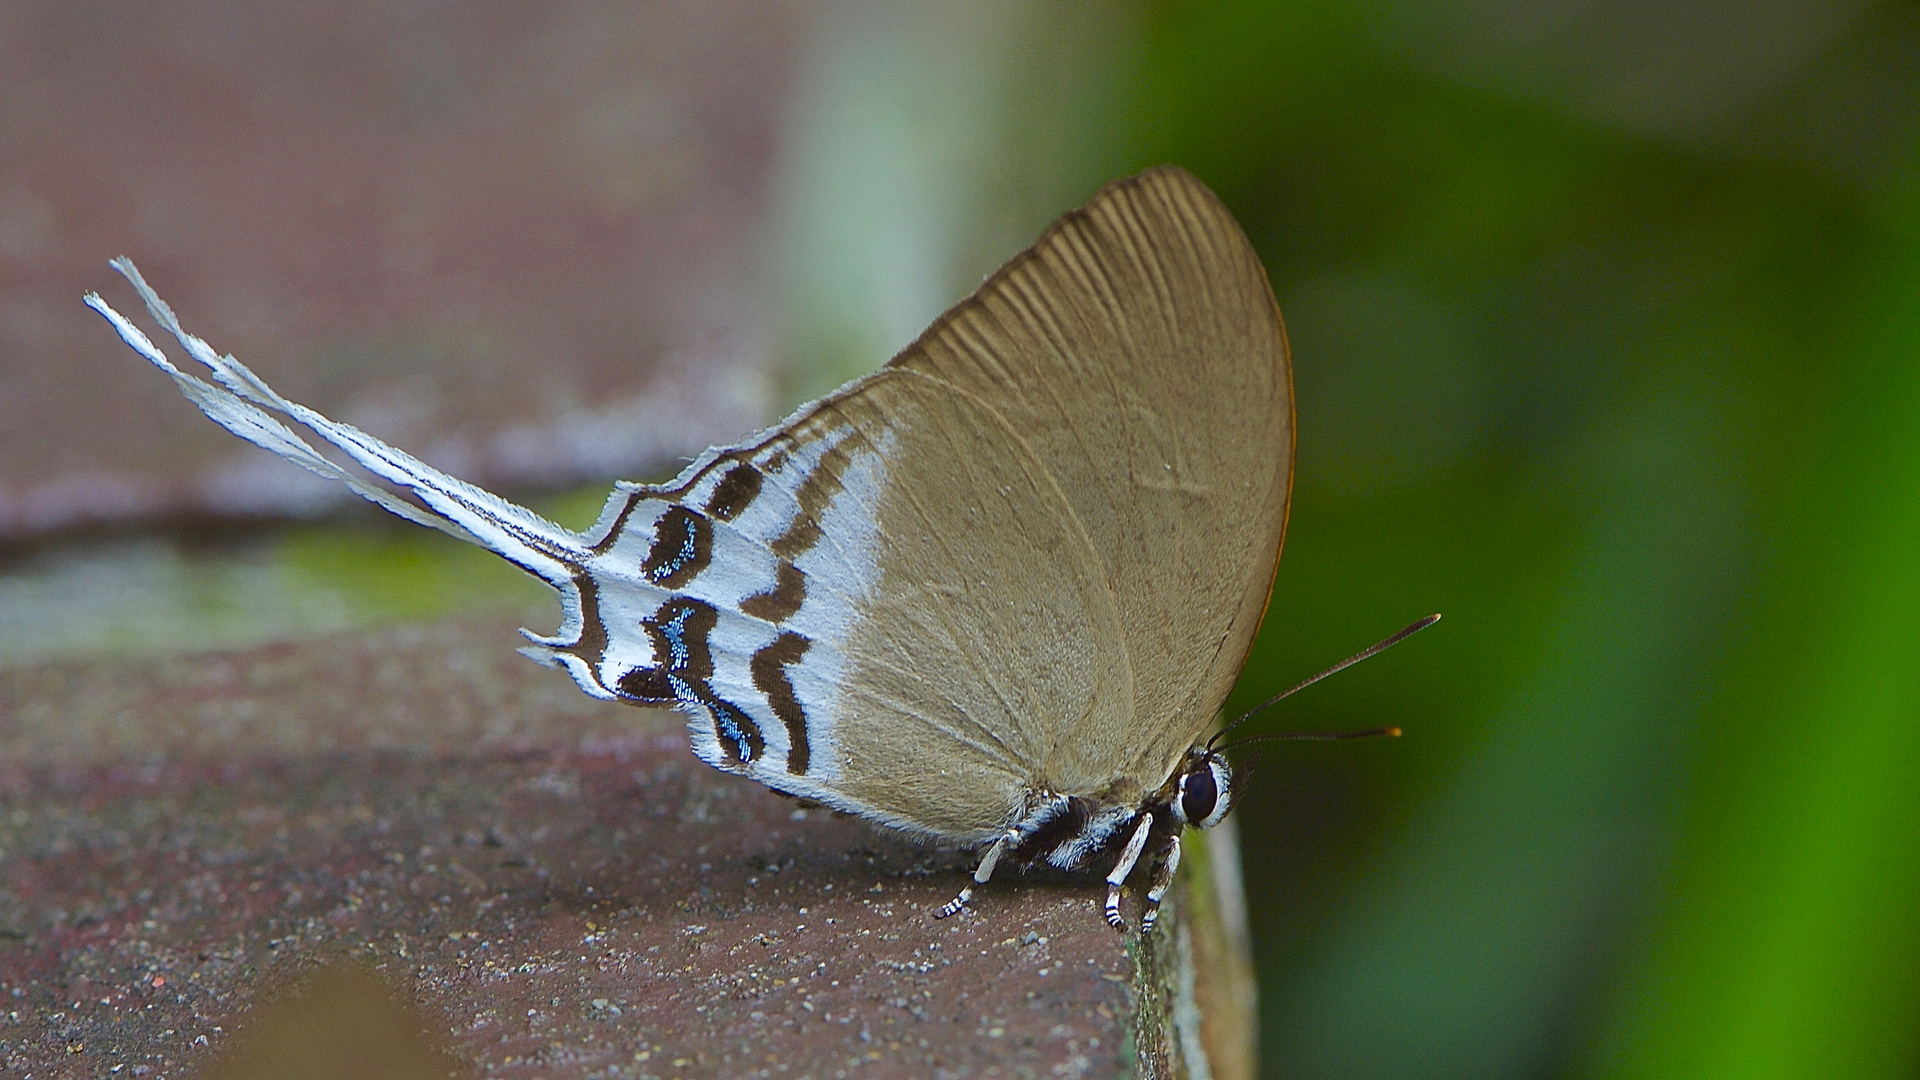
(1607, 341)
(1606, 326)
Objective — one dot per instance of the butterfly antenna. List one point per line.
(1311, 736)
(1303, 684)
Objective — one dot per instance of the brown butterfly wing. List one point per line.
(990, 625)
(1137, 352)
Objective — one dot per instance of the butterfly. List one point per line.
(991, 594)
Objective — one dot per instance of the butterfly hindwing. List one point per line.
(989, 624)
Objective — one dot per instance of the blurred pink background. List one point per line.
(519, 239)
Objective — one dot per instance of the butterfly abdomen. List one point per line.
(1070, 832)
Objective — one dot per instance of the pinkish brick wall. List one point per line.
(517, 238)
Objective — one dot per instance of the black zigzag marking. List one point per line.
(735, 492)
(778, 604)
(815, 493)
(619, 526)
(591, 644)
(769, 669)
(682, 547)
(680, 631)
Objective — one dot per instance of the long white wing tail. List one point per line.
(454, 506)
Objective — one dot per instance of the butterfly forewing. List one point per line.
(1138, 354)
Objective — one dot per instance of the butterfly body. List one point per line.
(991, 594)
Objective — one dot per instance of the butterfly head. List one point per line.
(1203, 788)
(1204, 791)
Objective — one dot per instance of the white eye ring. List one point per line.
(1208, 801)
(1223, 794)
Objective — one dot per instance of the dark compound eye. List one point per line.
(1198, 793)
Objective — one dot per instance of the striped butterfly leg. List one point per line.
(1129, 858)
(1162, 881)
(981, 873)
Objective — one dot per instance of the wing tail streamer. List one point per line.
(239, 400)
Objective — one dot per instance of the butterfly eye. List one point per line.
(1206, 794)
(1199, 792)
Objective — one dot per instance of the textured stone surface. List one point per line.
(519, 239)
(560, 886)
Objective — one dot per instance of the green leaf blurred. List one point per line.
(1607, 342)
